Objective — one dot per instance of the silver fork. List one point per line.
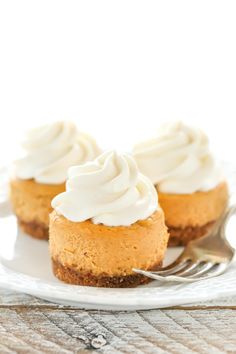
(204, 258)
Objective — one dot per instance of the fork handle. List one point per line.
(231, 210)
(220, 225)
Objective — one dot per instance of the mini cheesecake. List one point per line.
(190, 216)
(106, 223)
(192, 190)
(41, 174)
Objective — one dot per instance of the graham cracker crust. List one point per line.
(182, 236)
(71, 276)
(34, 229)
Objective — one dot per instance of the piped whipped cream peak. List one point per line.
(51, 149)
(109, 191)
(178, 160)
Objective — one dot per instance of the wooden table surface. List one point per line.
(30, 325)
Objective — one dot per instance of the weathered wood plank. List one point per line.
(52, 330)
(31, 325)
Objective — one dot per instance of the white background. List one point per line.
(118, 68)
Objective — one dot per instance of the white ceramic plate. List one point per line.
(25, 267)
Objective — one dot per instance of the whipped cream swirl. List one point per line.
(109, 191)
(51, 150)
(178, 160)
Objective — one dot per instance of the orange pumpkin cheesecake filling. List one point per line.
(31, 202)
(97, 255)
(189, 216)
